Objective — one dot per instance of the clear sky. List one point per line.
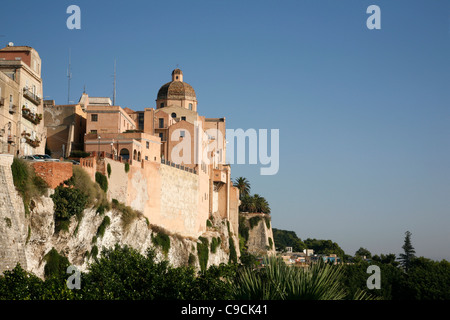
(364, 115)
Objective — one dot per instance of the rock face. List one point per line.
(13, 227)
(260, 234)
(27, 239)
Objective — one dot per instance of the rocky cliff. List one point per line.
(26, 239)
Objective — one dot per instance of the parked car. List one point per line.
(46, 157)
(75, 162)
(33, 158)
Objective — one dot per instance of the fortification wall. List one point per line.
(167, 196)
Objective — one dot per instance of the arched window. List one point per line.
(134, 155)
(174, 115)
(125, 154)
(139, 156)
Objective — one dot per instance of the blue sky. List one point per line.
(363, 114)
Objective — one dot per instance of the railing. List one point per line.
(31, 96)
(178, 166)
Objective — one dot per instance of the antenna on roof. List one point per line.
(69, 77)
(114, 85)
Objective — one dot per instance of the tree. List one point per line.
(247, 204)
(243, 185)
(363, 252)
(409, 252)
(261, 204)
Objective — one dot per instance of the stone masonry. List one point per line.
(13, 230)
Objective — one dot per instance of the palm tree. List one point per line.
(247, 204)
(243, 185)
(262, 206)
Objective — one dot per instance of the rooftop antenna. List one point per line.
(114, 92)
(69, 77)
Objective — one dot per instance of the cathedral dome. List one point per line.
(176, 89)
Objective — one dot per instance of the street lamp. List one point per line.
(99, 146)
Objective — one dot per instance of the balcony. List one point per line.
(31, 96)
(34, 118)
(220, 176)
(33, 143)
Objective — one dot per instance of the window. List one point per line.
(161, 105)
(147, 145)
(183, 118)
(177, 77)
(161, 122)
(190, 106)
(161, 136)
(94, 117)
(146, 158)
(173, 115)
(94, 131)
(182, 134)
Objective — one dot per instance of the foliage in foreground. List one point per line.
(123, 273)
(278, 281)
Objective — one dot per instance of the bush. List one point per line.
(254, 221)
(79, 154)
(128, 214)
(108, 169)
(127, 167)
(162, 240)
(215, 242)
(102, 181)
(81, 180)
(102, 227)
(203, 252)
(27, 183)
(67, 202)
(56, 264)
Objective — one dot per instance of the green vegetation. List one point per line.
(127, 167)
(82, 181)
(27, 183)
(102, 181)
(203, 252)
(284, 238)
(409, 252)
(79, 154)
(108, 169)
(8, 222)
(215, 242)
(254, 221)
(102, 227)
(249, 203)
(128, 214)
(233, 255)
(209, 223)
(123, 273)
(270, 243)
(67, 202)
(162, 240)
(277, 281)
(56, 264)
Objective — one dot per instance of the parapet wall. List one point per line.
(54, 173)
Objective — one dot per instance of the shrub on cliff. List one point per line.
(27, 183)
(67, 202)
(102, 181)
(83, 182)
